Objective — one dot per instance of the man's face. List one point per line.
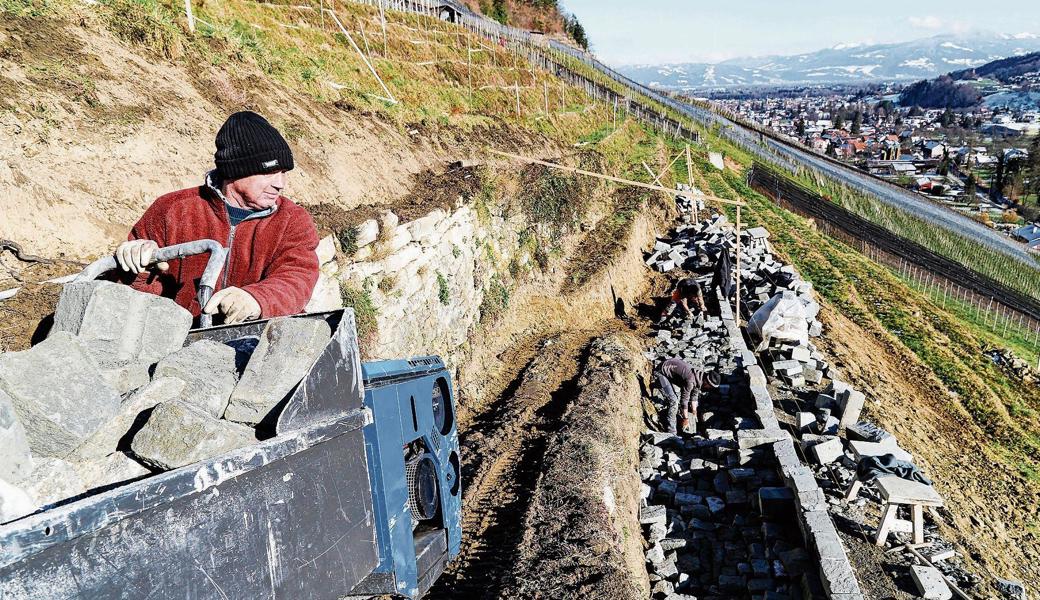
(259, 191)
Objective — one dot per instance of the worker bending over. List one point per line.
(686, 297)
(271, 267)
(676, 373)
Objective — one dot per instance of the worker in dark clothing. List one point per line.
(722, 276)
(676, 373)
(686, 297)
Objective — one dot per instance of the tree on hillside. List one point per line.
(997, 184)
(799, 127)
(1032, 167)
(944, 164)
(970, 186)
(495, 9)
(576, 31)
(915, 111)
(857, 122)
(947, 117)
(941, 92)
(839, 120)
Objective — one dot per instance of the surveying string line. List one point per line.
(615, 179)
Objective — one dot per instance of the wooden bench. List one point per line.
(896, 491)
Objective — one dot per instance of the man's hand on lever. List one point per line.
(236, 304)
(136, 256)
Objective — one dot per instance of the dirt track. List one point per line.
(502, 451)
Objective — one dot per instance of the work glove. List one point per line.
(135, 256)
(236, 304)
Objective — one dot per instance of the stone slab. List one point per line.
(930, 583)
(132, 413)
(863, 449)
(208, 370)
(287, 350)
(109, 471)
(120, 323)
(177, 434)
(904, 491)
(58, 394)
(52, 481)
(827, 452)
(850, 405)
(16, 462)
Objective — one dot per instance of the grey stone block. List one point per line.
(838, 577)
(16, 462)
(648, 515)
(753, 438)
(850, 405)
(115, 469)
(58, 394)
(128, 376)
(52, 481)
(105, 440)
(1011, 589)
(14, 503)
(177, 434)
(287, 350)
(208, 370)
(120, 323)
(827, 452)
(930, 583)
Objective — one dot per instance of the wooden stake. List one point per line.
(518, 97)
(191, 16)
(737, 316)
(382, 19)
(390, 97)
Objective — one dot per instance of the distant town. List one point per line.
(979, 154)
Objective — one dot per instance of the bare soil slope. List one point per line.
(93, 129)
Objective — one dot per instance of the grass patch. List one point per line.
(495, 302)
(443, 291)
(365, 313)
(348, 237)
(146, 23)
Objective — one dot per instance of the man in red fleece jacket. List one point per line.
(271, 267)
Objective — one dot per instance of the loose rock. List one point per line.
(177, 434)
(120, 323)
(208, 370)
(58, 394)
(287, 350)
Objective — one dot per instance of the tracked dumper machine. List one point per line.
(356, 495)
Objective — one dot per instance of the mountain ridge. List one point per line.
(844, 63)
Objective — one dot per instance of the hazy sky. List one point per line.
(661, 31)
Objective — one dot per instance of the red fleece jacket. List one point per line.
(271, 257)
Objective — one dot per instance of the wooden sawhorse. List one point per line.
(896, 491)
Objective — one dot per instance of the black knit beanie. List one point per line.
(248, 145)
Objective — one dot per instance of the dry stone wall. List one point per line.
(428, 277)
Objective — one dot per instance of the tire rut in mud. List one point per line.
(503, 451)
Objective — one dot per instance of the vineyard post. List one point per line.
(191, 16)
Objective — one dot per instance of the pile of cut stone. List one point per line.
(717, 520)
(692, 245)
(800, 368)
(715, 512)
(113, 394)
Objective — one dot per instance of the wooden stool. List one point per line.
(896, 491)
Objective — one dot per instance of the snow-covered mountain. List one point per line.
(844, 63)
